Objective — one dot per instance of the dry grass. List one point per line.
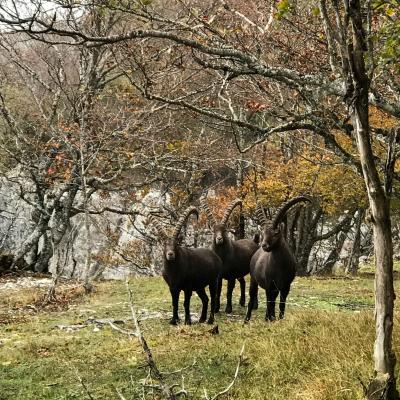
(20, 305)
(320, 351)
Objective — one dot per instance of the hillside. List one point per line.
(320, 351)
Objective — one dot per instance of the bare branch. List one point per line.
(229, 387)
(166, 390)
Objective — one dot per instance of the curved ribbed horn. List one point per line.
(183, 219)
(260, 214)
(229, 210)
(285, 208)
(206, 208)
(152, 219)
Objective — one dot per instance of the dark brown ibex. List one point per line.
(235, 255)
(188, 270)
(273, 266)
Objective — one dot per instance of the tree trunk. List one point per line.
(306, 238)
(333, 256)
(32, 240)
(87, 278)
(383, 385)
(241, 231)
(353, 260)
(297, 244)
(43, 258)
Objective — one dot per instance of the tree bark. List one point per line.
(306, 238)
(354, 256)
(383, 385)
(45, 254)
(305, 221)
(32, 239)
(333, 256)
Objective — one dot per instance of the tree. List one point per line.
(358, 81)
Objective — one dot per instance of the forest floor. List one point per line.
(321, 350)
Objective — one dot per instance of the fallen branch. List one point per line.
(96, 322)
(71, 328)
(124, 331)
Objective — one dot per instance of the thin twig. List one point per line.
(180, 370)
(121, 396)
(229, 387)
(84, 386)
(164, 388)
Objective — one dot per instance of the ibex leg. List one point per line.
(255, 304)
(282, 302)
(253, 292)
(242, 300)
(204, 300)
(231, 286)
(272, 294)
(175, 301)
(186, 304)
(213, 295)
(218, 295)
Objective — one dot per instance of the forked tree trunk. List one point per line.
(305, 240)
(334, 255)
(352, 264)
(383, 385)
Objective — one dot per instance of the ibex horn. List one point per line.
(260, 214)
(206, 208)
(183, 219)
(229, 210)
(152, 219)
(285, 208)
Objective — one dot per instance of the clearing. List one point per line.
(321, 350)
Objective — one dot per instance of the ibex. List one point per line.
(273, 266)
(235, 255)
(188, 270)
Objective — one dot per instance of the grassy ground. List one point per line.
(320, 351)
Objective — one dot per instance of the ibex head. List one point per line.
(171, 243)
(220, 232)
(272, 231)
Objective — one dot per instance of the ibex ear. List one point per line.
(179, 239)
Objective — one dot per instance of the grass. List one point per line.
(320, 351)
